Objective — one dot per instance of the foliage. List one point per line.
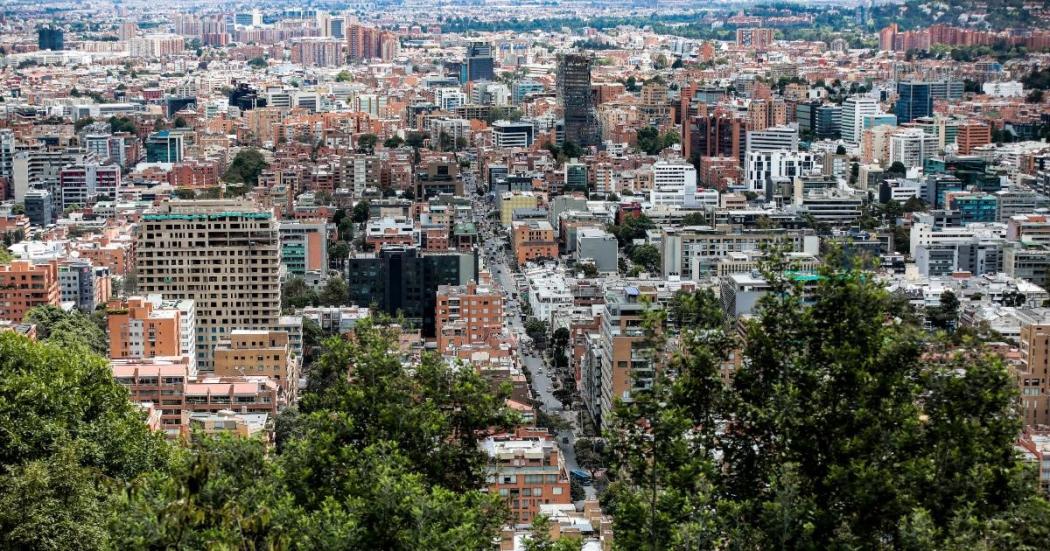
(1038, 79)
(694, 219)
(843, 433)
(647, 256)
(72, 329)
(335, 292)
(632, 227)
(81, 123)
(945, 315)
(536, 330)
(366, 143)
(257, 63)
(360, 212)
(380, 456)
(121, 124)
(588, 269)
(591, 454)
(651, 142)
(246, 167)
(296, 294)
(184, 193)
(393, 142)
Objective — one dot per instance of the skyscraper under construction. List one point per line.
(574, 94)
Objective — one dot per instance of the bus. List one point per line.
(580, 475)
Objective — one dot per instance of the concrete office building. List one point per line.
(507, 134)
(38, 168)
(912, 147)
(85, 184)
(222, 254)
(775, 138)
(83, 285)
(304, 246)
(598, 246)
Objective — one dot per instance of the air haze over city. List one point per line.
(529, 275)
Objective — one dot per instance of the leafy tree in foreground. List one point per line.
(379, 457)
(838, 433)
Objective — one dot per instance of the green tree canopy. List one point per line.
(68, 328)
(840, 433)
(380, 456)
(246, 167)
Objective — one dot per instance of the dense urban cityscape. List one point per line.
(527, 276)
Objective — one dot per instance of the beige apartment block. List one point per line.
(222, 254)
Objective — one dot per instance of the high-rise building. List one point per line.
(914, 100)
(222, 254)
(576, 177)
(773, 139)
(149, 327)
(85, 184)
(674, 184)
(467, 314)
(128, 29)
(574, 95)
(50, 38)
(1033, 376)
(317, 52)
(404, 281)
(369, 42)
(24, 285)
(512, 134)
(304, 246)
(972, 134)
(83, 284)
(754, 38)
(532, 240)
(854, 109)
(912, 147)
(40, 207)
(479, 62)
(165, 147)
(38, 168)
(627, 363)
(527, 470)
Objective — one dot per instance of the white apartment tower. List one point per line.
(854, 109)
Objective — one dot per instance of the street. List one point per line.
(540, 374)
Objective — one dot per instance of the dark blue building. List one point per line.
(404, 281)
(914, 100)
(50, 38)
